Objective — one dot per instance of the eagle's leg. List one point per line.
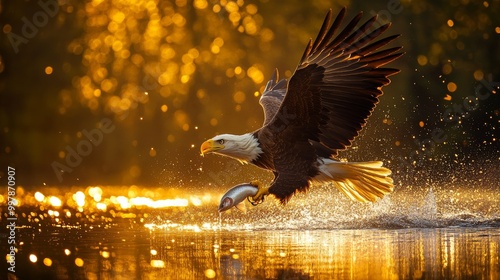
(262, 191)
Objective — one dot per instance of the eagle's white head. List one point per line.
(244, 148)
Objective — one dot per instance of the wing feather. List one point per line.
(273, 95)
(323, 31)
(347, 30)
(331, 94)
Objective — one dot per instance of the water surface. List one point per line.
(93, 233)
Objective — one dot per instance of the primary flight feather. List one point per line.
(319, 112)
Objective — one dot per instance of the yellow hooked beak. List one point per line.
(210, 146)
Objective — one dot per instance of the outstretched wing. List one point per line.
(272, 96)
(332, 92)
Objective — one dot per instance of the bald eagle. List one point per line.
(319, 112)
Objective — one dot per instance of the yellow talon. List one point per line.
(262, 191)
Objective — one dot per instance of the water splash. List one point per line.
(324, 208)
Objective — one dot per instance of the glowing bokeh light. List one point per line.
(79, 198)
(144, 201)
(101, 206)
(157, 263)
(96, 193)
(452, 87)
(39, 196)
(47, 262)
(55, 201)
(123, 201)
(48, 70)
(210, 273)
(196, 201)
(33, 258)
(79, 262)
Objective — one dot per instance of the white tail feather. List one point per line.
(361, 181)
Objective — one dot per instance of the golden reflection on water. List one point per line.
(340, 254)
(139, 233)
(94, 199)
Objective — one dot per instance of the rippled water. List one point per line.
(417, 234)
(327, 254)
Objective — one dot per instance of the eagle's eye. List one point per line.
(221, 141)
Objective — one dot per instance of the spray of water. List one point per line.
(323, 207)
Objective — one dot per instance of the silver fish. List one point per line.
(236, 195)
